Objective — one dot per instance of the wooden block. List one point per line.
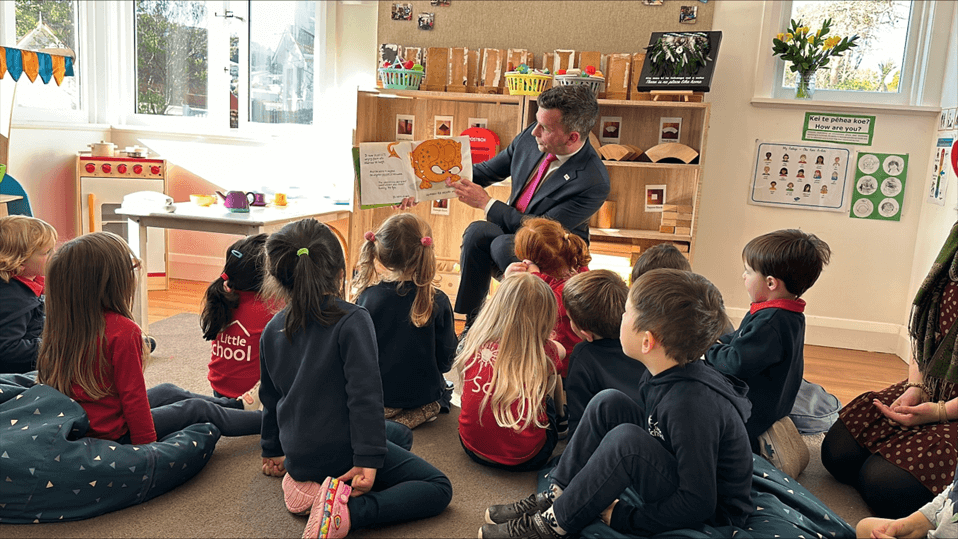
(563, 59)
(516, 57)
(594, 141)
(490, 74)
(676, 215)
(437, 68)
(605, 217)
(458, 58)
(671, 150)
(413, 53)
(678, 208)
(636, 152)
(617, 76)
(683, 231)
(682, 247)
(680, 223)
(615, 152)
(589, 58)
(667, 229)
(472, 70)
(637, 60)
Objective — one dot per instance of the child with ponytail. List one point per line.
(323, 424)
(507, 370)
(233, 318)
(414, 324)
(549, 251)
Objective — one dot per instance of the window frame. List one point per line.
(923, 63)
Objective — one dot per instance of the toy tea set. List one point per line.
(239, 201)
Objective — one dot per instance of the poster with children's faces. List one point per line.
(802, 176)
(879, 189)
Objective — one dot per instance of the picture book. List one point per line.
(391, 171)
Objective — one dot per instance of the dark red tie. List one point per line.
(530, 189)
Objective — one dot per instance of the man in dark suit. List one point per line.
(555, 173)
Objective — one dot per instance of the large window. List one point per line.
(875, 65)
(43, 24)
(266, 50)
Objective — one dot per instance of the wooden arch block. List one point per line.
(672, 150)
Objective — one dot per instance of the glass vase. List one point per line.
(805, 84)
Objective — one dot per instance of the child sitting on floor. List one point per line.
(92, 350)
(766, 352)
(549, 251)
(415, 330)
(25, 244)
(323, 424)
(233, 318)
(660, 256)
(683, 448)
(936, 519)
(507, 374)
(595, 301)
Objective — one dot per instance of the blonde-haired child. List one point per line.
(415, 330)
(506, 370)
(92, 350)
(25, 244)
(549, 251)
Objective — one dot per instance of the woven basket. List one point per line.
(526, 83)
(400, 79)
(596, 85)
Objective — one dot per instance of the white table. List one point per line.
(218, 219)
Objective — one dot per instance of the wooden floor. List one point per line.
(844, 373)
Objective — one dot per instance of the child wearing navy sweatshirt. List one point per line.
(766, 352)
(682, 447)
(25, 244)
(322, 398)
(595, 301)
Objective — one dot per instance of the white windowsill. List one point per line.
(768, 102)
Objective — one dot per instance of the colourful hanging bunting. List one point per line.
(3, 61)
(33, 63)
(14, 63)
(45, 66)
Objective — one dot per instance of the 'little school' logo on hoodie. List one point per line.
(233, 344)
(654, 429)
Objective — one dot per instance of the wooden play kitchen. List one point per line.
(627, 229)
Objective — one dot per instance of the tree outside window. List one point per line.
(45, 24)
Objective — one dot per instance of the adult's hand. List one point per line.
(407, 203)
(909, 416)
(470, 193)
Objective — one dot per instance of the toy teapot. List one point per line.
(235, 201)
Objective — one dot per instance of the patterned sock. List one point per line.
(549, 517)
(553, 492)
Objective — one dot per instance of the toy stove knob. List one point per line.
(137, 169)
(121, 169)
(90, 167)
(155, 169)
(106, 168)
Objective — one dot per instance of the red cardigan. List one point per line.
(126, 408)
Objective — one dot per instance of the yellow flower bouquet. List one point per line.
(808, 52)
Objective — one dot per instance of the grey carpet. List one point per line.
(232, 498)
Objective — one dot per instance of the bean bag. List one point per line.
(49, 472)
(783, 508)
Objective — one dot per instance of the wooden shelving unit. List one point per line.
(633, 229)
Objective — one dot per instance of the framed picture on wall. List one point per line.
(405, 125)
(442, 126)
(610, 128)
(680, 61)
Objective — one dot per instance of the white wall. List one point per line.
(861, 299)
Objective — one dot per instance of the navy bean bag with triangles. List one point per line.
(50, 472)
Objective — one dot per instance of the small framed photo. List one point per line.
(654, 198)
(405, 126)
(402, 12)
(478, 122)
(442, 126)
(670, 130)
(441, 3)
(652, 2)
(943, 120)
(610, 129)
(440, 207)
(952, 113)
(688, 14)
(427, 21)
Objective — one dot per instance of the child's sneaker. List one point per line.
(562, 423)
(391, 412)
(782, 445)
(536, 503)
(413, 417)
(151, 342)
(299, 495)
(524, 527)
(329, 516)
(250, 399)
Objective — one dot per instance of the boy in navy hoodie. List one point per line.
(766, 350)
(595, 301)
(682, 447)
